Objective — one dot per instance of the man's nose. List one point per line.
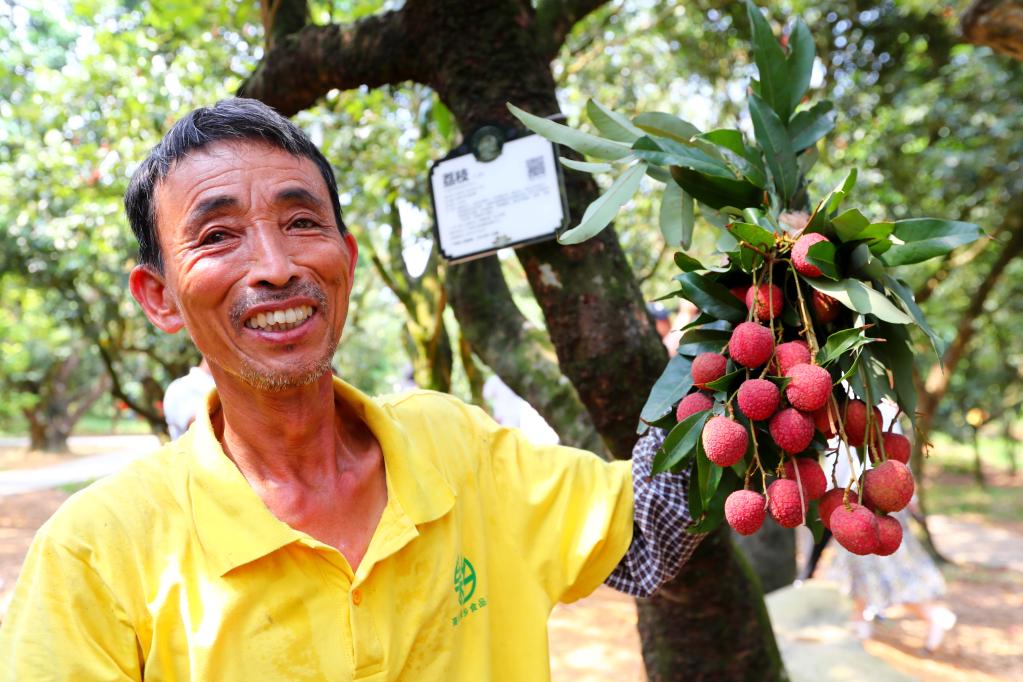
(271, 262)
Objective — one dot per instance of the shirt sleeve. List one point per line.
(64, 622)
(660, 544)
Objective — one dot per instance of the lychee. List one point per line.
(829, 503)
(768, 301)
(896, 446)
(785, 503)
(855, 422)
(745, 511)
(751, 344)
(691, 404)
(792, 430)
(724, 441)
(823, 423)
(788, 354)
(811, 476)
(758, 398)
(708, 367)
(888, 486)
(890, 534)
(855, 527)
(799, 254)
(825, 308)
(810, 387)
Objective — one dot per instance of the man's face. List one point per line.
(254, 265)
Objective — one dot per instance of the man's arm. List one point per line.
(660, 543)
(64, 622)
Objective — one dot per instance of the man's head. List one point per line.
(238, 223)
(235, 119)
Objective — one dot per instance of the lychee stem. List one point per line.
(799, 484)
(811, 338)
(756, 458)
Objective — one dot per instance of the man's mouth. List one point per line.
(280, 320)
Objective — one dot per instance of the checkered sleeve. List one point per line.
(660, 544)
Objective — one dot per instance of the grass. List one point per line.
(956, 456)
(92, 425)
(72, 488)
(999, 503)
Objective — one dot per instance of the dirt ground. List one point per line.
(595, 640)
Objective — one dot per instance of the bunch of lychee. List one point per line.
(793, 414)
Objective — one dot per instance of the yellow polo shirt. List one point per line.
(174, 569)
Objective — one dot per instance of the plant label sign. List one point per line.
(517, 198)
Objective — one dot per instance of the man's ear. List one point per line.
(150, 289)
(353, 253)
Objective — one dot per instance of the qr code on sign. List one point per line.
(535, 167)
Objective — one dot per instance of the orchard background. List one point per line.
(929, 119)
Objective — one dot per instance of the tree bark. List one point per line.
(997, 24)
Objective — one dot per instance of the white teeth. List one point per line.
(280, 320)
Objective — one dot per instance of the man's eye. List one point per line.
(214, 237)
(303, 223)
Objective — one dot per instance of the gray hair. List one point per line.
(230, 119)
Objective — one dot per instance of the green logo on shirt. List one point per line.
(465, 580)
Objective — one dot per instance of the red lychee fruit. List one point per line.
(855, 421)
(740, 292)
(799, 254)
(888, 486)
(829, 503)
(890, 534)
(896, 446)
(855, 527)
(788, 354)
(786, 505)
(792, 430)
(708, 367)
(810, 387)
(768, 299)
(825, 308)
(691, 404)
(811, 476)
(758, 398)
(751, 344)
(724, 441)
(745, 511)
(823, 423)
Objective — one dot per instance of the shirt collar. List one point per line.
(233, 525)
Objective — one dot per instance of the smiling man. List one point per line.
(301, 530)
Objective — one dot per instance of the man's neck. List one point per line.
(284, 436)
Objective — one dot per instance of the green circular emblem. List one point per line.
(465, 580)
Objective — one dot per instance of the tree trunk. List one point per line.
(692, 631)
(771, 553)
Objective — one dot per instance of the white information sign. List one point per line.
(515, 199)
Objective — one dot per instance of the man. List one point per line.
(301, 530)
(185, 397)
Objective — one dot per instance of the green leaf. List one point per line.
(584, 143)
(659, 174)
(926, 238)
(898, 350)
(729, 145)
(773, 87)
(909, 303)
(676, 216)
(842, 342)
(710, 476)
(585, 166)
(703, 340)
(849, 224)
(666, 125)
(715, 192)
(777, 148)
(711, 297)
(810, 125)
(856, 295)
(822, 254)
(611, 124)
(800, 64)
(665, 151)
(725, 382)
(752, 234)
(680, 444)
(601, 212)
(830, 203)
(687, 263)
(674, 382)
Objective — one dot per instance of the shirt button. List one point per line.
(356, 597)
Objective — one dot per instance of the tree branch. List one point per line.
(555, 19)
(303, 66)
(997, 24)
